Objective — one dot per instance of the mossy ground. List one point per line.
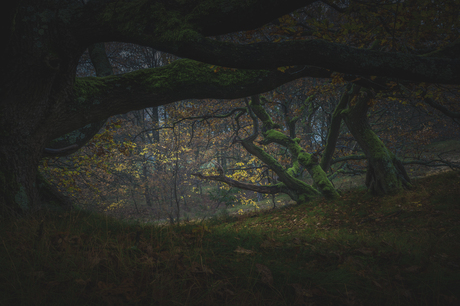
(358, 250)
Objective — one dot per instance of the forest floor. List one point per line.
(359, 250)
(448, 150)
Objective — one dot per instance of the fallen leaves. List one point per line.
(243, 251)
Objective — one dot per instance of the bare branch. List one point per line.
(222, 178)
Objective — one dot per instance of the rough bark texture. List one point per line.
(386, 174)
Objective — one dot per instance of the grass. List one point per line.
(359, 250)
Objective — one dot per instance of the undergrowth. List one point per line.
(358, 250)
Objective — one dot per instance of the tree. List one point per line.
(46, 110)
(298, 190)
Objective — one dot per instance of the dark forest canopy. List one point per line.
(44, 107)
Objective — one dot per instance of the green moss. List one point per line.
(303, 198)
(291, 182)
(280, 138)
(267, 121)
(294, 169)
(187, 72)
(319, 177)
(275, 136)
(181, 74)
(309, 161)
(280, 185)
(89, 87)
(306, 160)
(376, 146)
(322, 182)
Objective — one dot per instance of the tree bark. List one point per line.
(385, 174)
(334, 131)
(18, 169)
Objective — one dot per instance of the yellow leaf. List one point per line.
(282, 69)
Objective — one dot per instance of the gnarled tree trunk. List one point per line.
(386, 174)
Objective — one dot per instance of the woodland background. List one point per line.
(141, 164)
(81, 104)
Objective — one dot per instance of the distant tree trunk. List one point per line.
(175, 191)
(147, 196)
(155, 123)
(385, 174)
(134, 200)
(334, 131)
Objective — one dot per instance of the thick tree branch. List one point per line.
(299, 156)
(336, 57)
(442, 108)
(334, 129)
(169, 20)
(433, 163)
(96, 99)
(74, 140)
(283, 176)
(221, 178)
(182, 30)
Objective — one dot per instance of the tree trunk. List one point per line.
(147, 194)
(27, 99)
(386, 174)
(334, 132)
(18, 169)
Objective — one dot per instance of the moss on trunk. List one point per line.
(386, 174)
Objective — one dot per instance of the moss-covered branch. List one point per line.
(182, 29)
(337, 57)
(273, 189)
(74, 140)
(309, 161)
(95, 99)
